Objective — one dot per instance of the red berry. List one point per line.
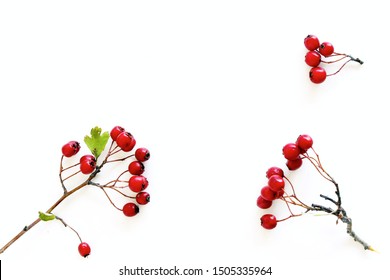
(116, 131)
(88, 165)
(136, 167)
(142, 198)
(84, 249)
(138, 183)
(71, 148)
(317, 75)
(263, 203)
(326, 49)
(130, 209)
(279, 193)
(276, 183)
(313, 58)
(268, 221)
(291, 151)
(268, 194)
(294, 164)
(274, 171)
(311, 42)
(142, 154)
(125, 141)
(304, 142)
(87, 158)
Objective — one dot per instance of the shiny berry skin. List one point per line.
(71, 148)
(87, 158)
(291, 151)
(138, 183)
(313, 58)
(326, 49)
(136, 167)
(304, 142)
(311, 42)
(130, 209)
(142, 154)
(142, 198)
(268, 194)
(84, 249)
(268, 221)
(317, 75)
(294, 164)
(276, 183)
(88, 165)
(263, 203)
(274, 171)
(116, 131)
(125, 141)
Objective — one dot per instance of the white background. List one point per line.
(214, 89)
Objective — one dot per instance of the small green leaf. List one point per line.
(46, 216)
(97, 141)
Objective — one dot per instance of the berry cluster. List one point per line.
(279, 187)
(317, 52)
(88, 166)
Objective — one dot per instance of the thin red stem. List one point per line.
(113, 204)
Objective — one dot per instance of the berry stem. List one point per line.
(60, 175)
(66, 225)
(342, 66)
(337, 60)
(118, 191)
(291, 216)
(112, 203)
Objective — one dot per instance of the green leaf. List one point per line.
(46, 216)
(97, 141)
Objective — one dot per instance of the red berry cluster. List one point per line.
(280, 188)
(275, 188)
(90, 165)
(316, 52)
(137, 183)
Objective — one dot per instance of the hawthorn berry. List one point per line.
(313, 58)
(279, 193)
(138, 183)
(87, 164)
(87, 158)
(317, 75)
(274, 171)
(116, 131)
(71, 148)
(142, 154)
(311, 42)
(276, 183)
(130, 209)
(268, 194)
(263, 203)
(326, 49)
(125, 141)
(294, 164)
(291, 151)
(142, 198)
(84, 249)
(136, 167)
(268, 221)
(304, 142)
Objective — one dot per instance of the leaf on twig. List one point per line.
(97, 141)
(46, 216)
